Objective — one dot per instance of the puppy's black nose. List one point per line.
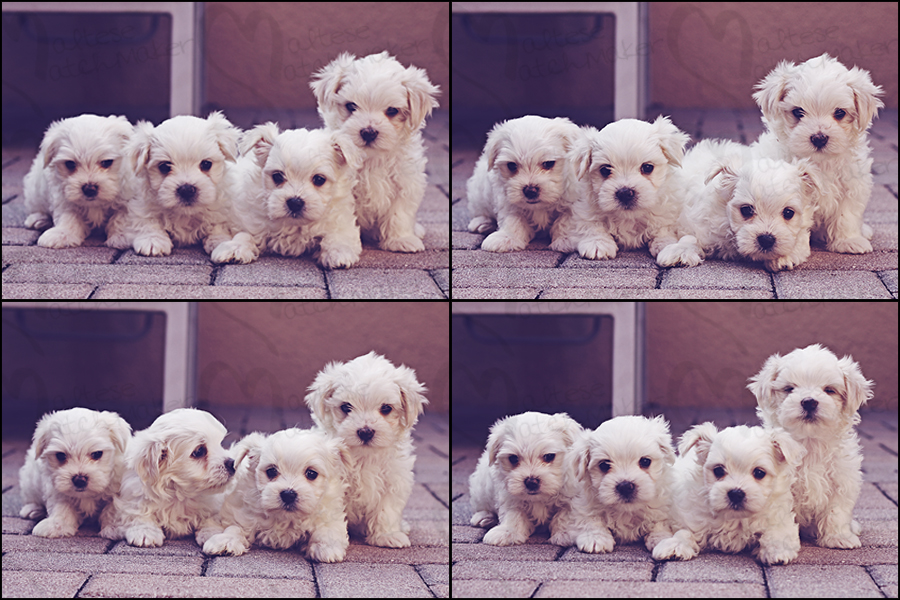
(80, 481)
(365, 434)
(90, 190)
(229, 465)
(818, 140)
(809, 406)
(626, 197)
(288, 498)
(531, 192)
(532, 484)
(295, 205)
(187, 193)
(766, 241)
(368, 135)
(736, 498)
(625, 490)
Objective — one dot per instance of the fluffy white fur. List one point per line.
(521, 479)
(184, 196)
(821, 110)
(524, 181)
(72, 469)
(621, 485)
(79, 180)
(294, 193)
(177, 470)
(732, 490)
(382, 105)
(815, 396)
(740, 208)
(372, 406)
(632, 168)
(288, 488)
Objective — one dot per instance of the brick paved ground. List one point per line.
(539, 569)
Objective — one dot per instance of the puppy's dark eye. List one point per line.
(548, 164)
(830, 390)
(719, 471)
(605, 170)
(548, 458)
(318, 180)
(271, 473)
(311, 475)
(646, 168)
(839, 114)
(205, 165)
(604, 466)
(513, 460)
(758, 473)
(164, 167)
(106, 163)
(747, 211)
(798, 113)
(513, 167)
(278, 178)
(346, 408)
(200, 452)
(788, 389)
(391, 112)
(351, 107)
(386, 409)
(71, 165)
(61, 458)
(645, 462)
(788, 214)
(97, 455)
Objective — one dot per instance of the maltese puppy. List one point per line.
(815, 396)
(177, 470)
(80, 180)
(294, 193)
(632, 168)
(289, 488)
(821, 110)
(622, 472)
(181, 166)
(372, 406)
(732, 490)
(738, 208)
(73, 469)
(523, 181)
(382, 105)
(520, 479)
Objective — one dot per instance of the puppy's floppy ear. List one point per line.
(149, 453)
(670, 139)
(54, 138)
(411, 398)
(320, 391)
(497, 139)
(865, 101)
(326, 83)
(420, 93)
(700, 436)
(568, 427)
(119, 429)
(495, 439)
(248, 447)
(663, 438)
(859, 389)
(762, 384)
(773, 88)
(259, 141)
(226, 134)
(787, 448)
(138, 148)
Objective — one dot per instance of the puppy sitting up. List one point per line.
(520, 478)
(289, 488)
(622, 481)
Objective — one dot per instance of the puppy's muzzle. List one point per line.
(288, 500)
(533, 485)
(295, 205)
(90, 190)
(809, 406)
(532, 193)
(365, 434)
(626, 197)
(819, 140)
(187, 193)
(736, 499)
(369, 135)
(625, 490)
(80, 481)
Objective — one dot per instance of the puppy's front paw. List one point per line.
(777, 554)
(32, 511)
(483, 518)
(224, 543)
(388, 539)
(685, 252)
(145, 536)
(854, 245)
(406, 243)
(57, 237)
(54, 528)
(153, 245)
(500, 241)
(596, 541)
(326, 552)
(481, 225)
(241, 249)
(681, 546)
(504, 536)
(339, 257)
(839, 540)
(597, 248)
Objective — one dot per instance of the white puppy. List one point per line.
(184, 193)
(621, 485)
(294, 193)
(80, 180)
(524, 181)
(372, 406)
(177, 470)
(739, 208)
(382, 105)
(72, 469)
(821, 110)
(815, 396)
(289, 488)
(732, 490)
(633, 170)
(520, 479)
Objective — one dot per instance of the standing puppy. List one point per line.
(372, 406)
(382, 105)
(815, 396)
